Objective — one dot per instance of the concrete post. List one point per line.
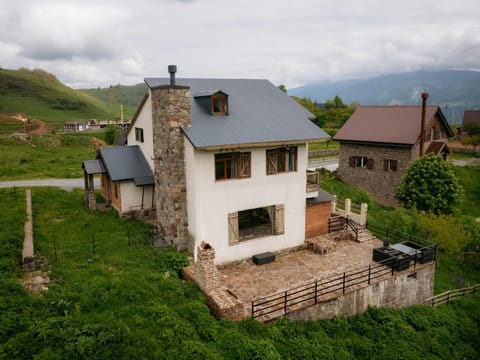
(334, 204)
(348, 207)
(363, 213)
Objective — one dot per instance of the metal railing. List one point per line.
(278, 304)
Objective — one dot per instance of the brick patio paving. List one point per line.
(248, 281)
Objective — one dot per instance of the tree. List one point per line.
(473, 140)
(282, 88)
(111, 133)
(430, 185)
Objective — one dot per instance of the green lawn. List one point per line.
(114, 297)
(323, 145)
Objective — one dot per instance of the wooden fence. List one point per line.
(446, 297)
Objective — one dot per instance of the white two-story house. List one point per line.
(229, 158)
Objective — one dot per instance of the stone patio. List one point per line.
(248, 281)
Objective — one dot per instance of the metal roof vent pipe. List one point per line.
(172, 69)
(422, 129)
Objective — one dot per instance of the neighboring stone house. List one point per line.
(471, 117)
(378, 143)
(229, 158)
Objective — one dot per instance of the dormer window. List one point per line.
(219, 104)
(215, 103)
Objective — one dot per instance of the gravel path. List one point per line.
(66, 184)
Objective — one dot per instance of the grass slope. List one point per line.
(40, 95)
(129, 96)
(126, 301)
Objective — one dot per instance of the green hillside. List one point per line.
(40, 95)
(129, 96)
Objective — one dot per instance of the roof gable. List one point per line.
(389, 124)
(126, 163)
(257, 113)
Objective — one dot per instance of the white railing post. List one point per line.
(348, 207)
(363, 213)
(333, 205)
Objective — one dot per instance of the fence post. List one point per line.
(285, 303)
(448, 297)
(93, 243)
(393, 265)
(316, 290)
(253, 317)
(55, 248)
(369, 273)
(344, 280)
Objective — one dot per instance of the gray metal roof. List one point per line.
(258, 112)
(93, 167)
(322, 196)
(127, 163)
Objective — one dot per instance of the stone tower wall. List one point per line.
(171, 112)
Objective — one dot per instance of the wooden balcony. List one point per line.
(312, 181)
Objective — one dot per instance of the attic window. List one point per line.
(219, 104)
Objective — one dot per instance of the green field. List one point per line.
(40, 95)
(112, 296)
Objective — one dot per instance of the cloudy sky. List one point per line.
(97, 43)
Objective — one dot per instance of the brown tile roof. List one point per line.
(471, 117)
(388, 124)
(437, 147)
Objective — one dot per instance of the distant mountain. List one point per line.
(129, 96)
(454, 90)
(41, 95)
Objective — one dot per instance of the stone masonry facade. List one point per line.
(171, 112)
(381, 184)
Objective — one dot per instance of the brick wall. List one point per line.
(316, 219)
(381, 184)
(171, 112)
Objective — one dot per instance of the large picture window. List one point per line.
(281, 160)
(255, 223)
(232, 165)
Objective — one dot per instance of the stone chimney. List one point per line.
(171, 113)
(206, 273)
(422, 125)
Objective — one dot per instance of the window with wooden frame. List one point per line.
(360, 161)
(139, 134)
(255, 223)
(390, 165)
(281, 160)
(219, 104)
(232, 165)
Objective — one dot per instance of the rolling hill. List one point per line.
(454, 90)
(40, 95)
(129, 96)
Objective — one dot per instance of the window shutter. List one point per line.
(233, 227)
(279, 219)
(393, 165)
(369, 164)
(385, 165)
(234, 166)
(351, 161)
(244, 167)
(271, 162)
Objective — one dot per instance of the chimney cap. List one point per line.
(172, 68)
(425, 95)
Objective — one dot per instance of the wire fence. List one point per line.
(390, 234)
(97, 243)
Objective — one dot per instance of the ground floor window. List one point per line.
(360, 161)
(390, 165)
(255, 223)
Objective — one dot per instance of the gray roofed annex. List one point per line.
(258, 113)
(127, 163)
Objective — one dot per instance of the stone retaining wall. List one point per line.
(28, 256)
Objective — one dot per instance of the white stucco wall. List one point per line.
(210, 201)
(131, 196)
(144, 121)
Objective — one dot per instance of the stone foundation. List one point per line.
(404, 289)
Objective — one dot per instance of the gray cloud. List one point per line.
(96, 43)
